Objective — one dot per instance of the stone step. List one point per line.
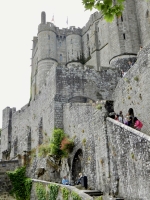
(93, 192)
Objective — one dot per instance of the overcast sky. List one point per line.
(19, 20)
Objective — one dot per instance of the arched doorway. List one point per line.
(77, 165)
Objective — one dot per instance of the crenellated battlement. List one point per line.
(60, 32)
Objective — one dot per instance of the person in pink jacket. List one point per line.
(137, 124)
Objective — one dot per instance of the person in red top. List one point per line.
(137, 124)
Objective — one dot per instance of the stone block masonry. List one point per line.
(129, 154)
(5, 184)
(133, 90)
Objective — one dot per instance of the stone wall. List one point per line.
(86, 125)
(28, 121)
(69, 188)
(5, 184)
(86, 82)
(143, 19)
(129, 158)
(133, 90)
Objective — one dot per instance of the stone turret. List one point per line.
(46, 50)
(6, 132)
(74, 47)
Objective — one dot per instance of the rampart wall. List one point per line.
(133, 90)
(86, 124)
(72, 82)
(34, 119)
(129, 159)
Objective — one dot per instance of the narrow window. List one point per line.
(60, 57)
(98, 29)
(60, 44)
(71, 41)
(72, 51)
(87, 37)
(49, 37)
(124, 36)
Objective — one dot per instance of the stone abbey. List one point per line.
(73, 70)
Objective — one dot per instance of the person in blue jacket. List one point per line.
(65, 181)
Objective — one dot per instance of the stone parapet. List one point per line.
(70, 189)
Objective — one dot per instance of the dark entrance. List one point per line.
(77, 165)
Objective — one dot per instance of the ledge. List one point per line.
(134, 131)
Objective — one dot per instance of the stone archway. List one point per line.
(77, 165)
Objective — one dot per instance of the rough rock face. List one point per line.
(133, 90)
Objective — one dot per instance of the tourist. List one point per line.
(79, 179)
(122, 73)
(120, 118)
(65, 181)
(141, 48)
(116, 117)
(131, 117)
(126, 119)
(137, 124)
(130, 64)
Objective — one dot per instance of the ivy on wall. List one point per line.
(40, 191)
(75, 196)
(21, 185)
(65, 193)
(53, 191)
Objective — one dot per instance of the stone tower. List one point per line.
(46, 50)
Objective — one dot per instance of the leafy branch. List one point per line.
(108, 8)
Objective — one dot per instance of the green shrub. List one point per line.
(60, 144)
(57, 137)
(21, 185)
(44, 149)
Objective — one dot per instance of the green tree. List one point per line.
(109, 8)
